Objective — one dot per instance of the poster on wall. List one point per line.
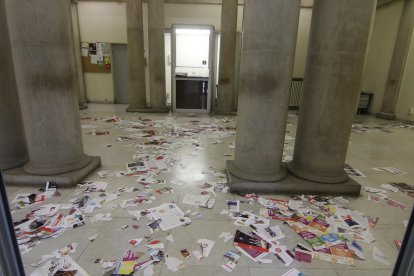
(99, 55)
(92, 48)
(84, 49)
(96, 57)
(106, 50)
(93, 53)
(107, 62)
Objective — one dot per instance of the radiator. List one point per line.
(295, 93)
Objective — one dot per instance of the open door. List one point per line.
(192, 68)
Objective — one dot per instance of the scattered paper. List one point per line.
(205, 201)
(135, 242)
(379, 256)
(174, 264)
(226, 235)
(205, 246)
(390, 170)
(170, 238)
(293, 272)
(170, 216)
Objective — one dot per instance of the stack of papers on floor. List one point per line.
(169, 215)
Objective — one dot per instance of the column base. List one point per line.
(82, 106)
(147, 110)
(10, 164)
(292, 185)
(18, 176)
(252, 176)
(325, 179)
(56, 169)
(386, 116)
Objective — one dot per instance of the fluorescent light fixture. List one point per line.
(192, 32)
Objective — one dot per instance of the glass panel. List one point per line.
(191, 94)
(192, 48)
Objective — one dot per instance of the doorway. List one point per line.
(120, 73)
(192, 68)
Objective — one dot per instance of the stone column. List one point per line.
(13, 151)
(156, 55)
(337, 45)
(269, 38)
(136, 59)
(225, 101)
(399, 58)
(45, 67)
(77, 47)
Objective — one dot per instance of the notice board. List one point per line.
(96, 57)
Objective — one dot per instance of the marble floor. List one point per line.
(371, 148)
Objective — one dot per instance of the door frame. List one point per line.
(211, 56)
(113, 69)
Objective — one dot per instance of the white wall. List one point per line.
(380, 51)
(204, 14)
(405, 104)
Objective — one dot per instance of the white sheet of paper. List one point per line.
(94, 59)
(379, 256)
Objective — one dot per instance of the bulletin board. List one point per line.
(96, 57)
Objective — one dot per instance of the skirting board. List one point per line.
(292, 185)
(18, 176)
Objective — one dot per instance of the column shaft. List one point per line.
(225, 102)
(269, 39)
(157, 55)
(399, 58)
(337, 45)
(77, 47)
(12, 143)
(45, 70)
(136, 59)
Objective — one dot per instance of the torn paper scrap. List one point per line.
(173, 263)
(379, 256)
(135, 242)
(226, 235)
(61, 266)
(293, 272)
(205, 246)
(205, 201)
(93, 237)
(170, 238)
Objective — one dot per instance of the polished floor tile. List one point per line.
(373, 148)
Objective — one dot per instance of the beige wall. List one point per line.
(197, 14)
(380, 51)
(101, 22)
(106, 22)
(99, 87)
(405, 104)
